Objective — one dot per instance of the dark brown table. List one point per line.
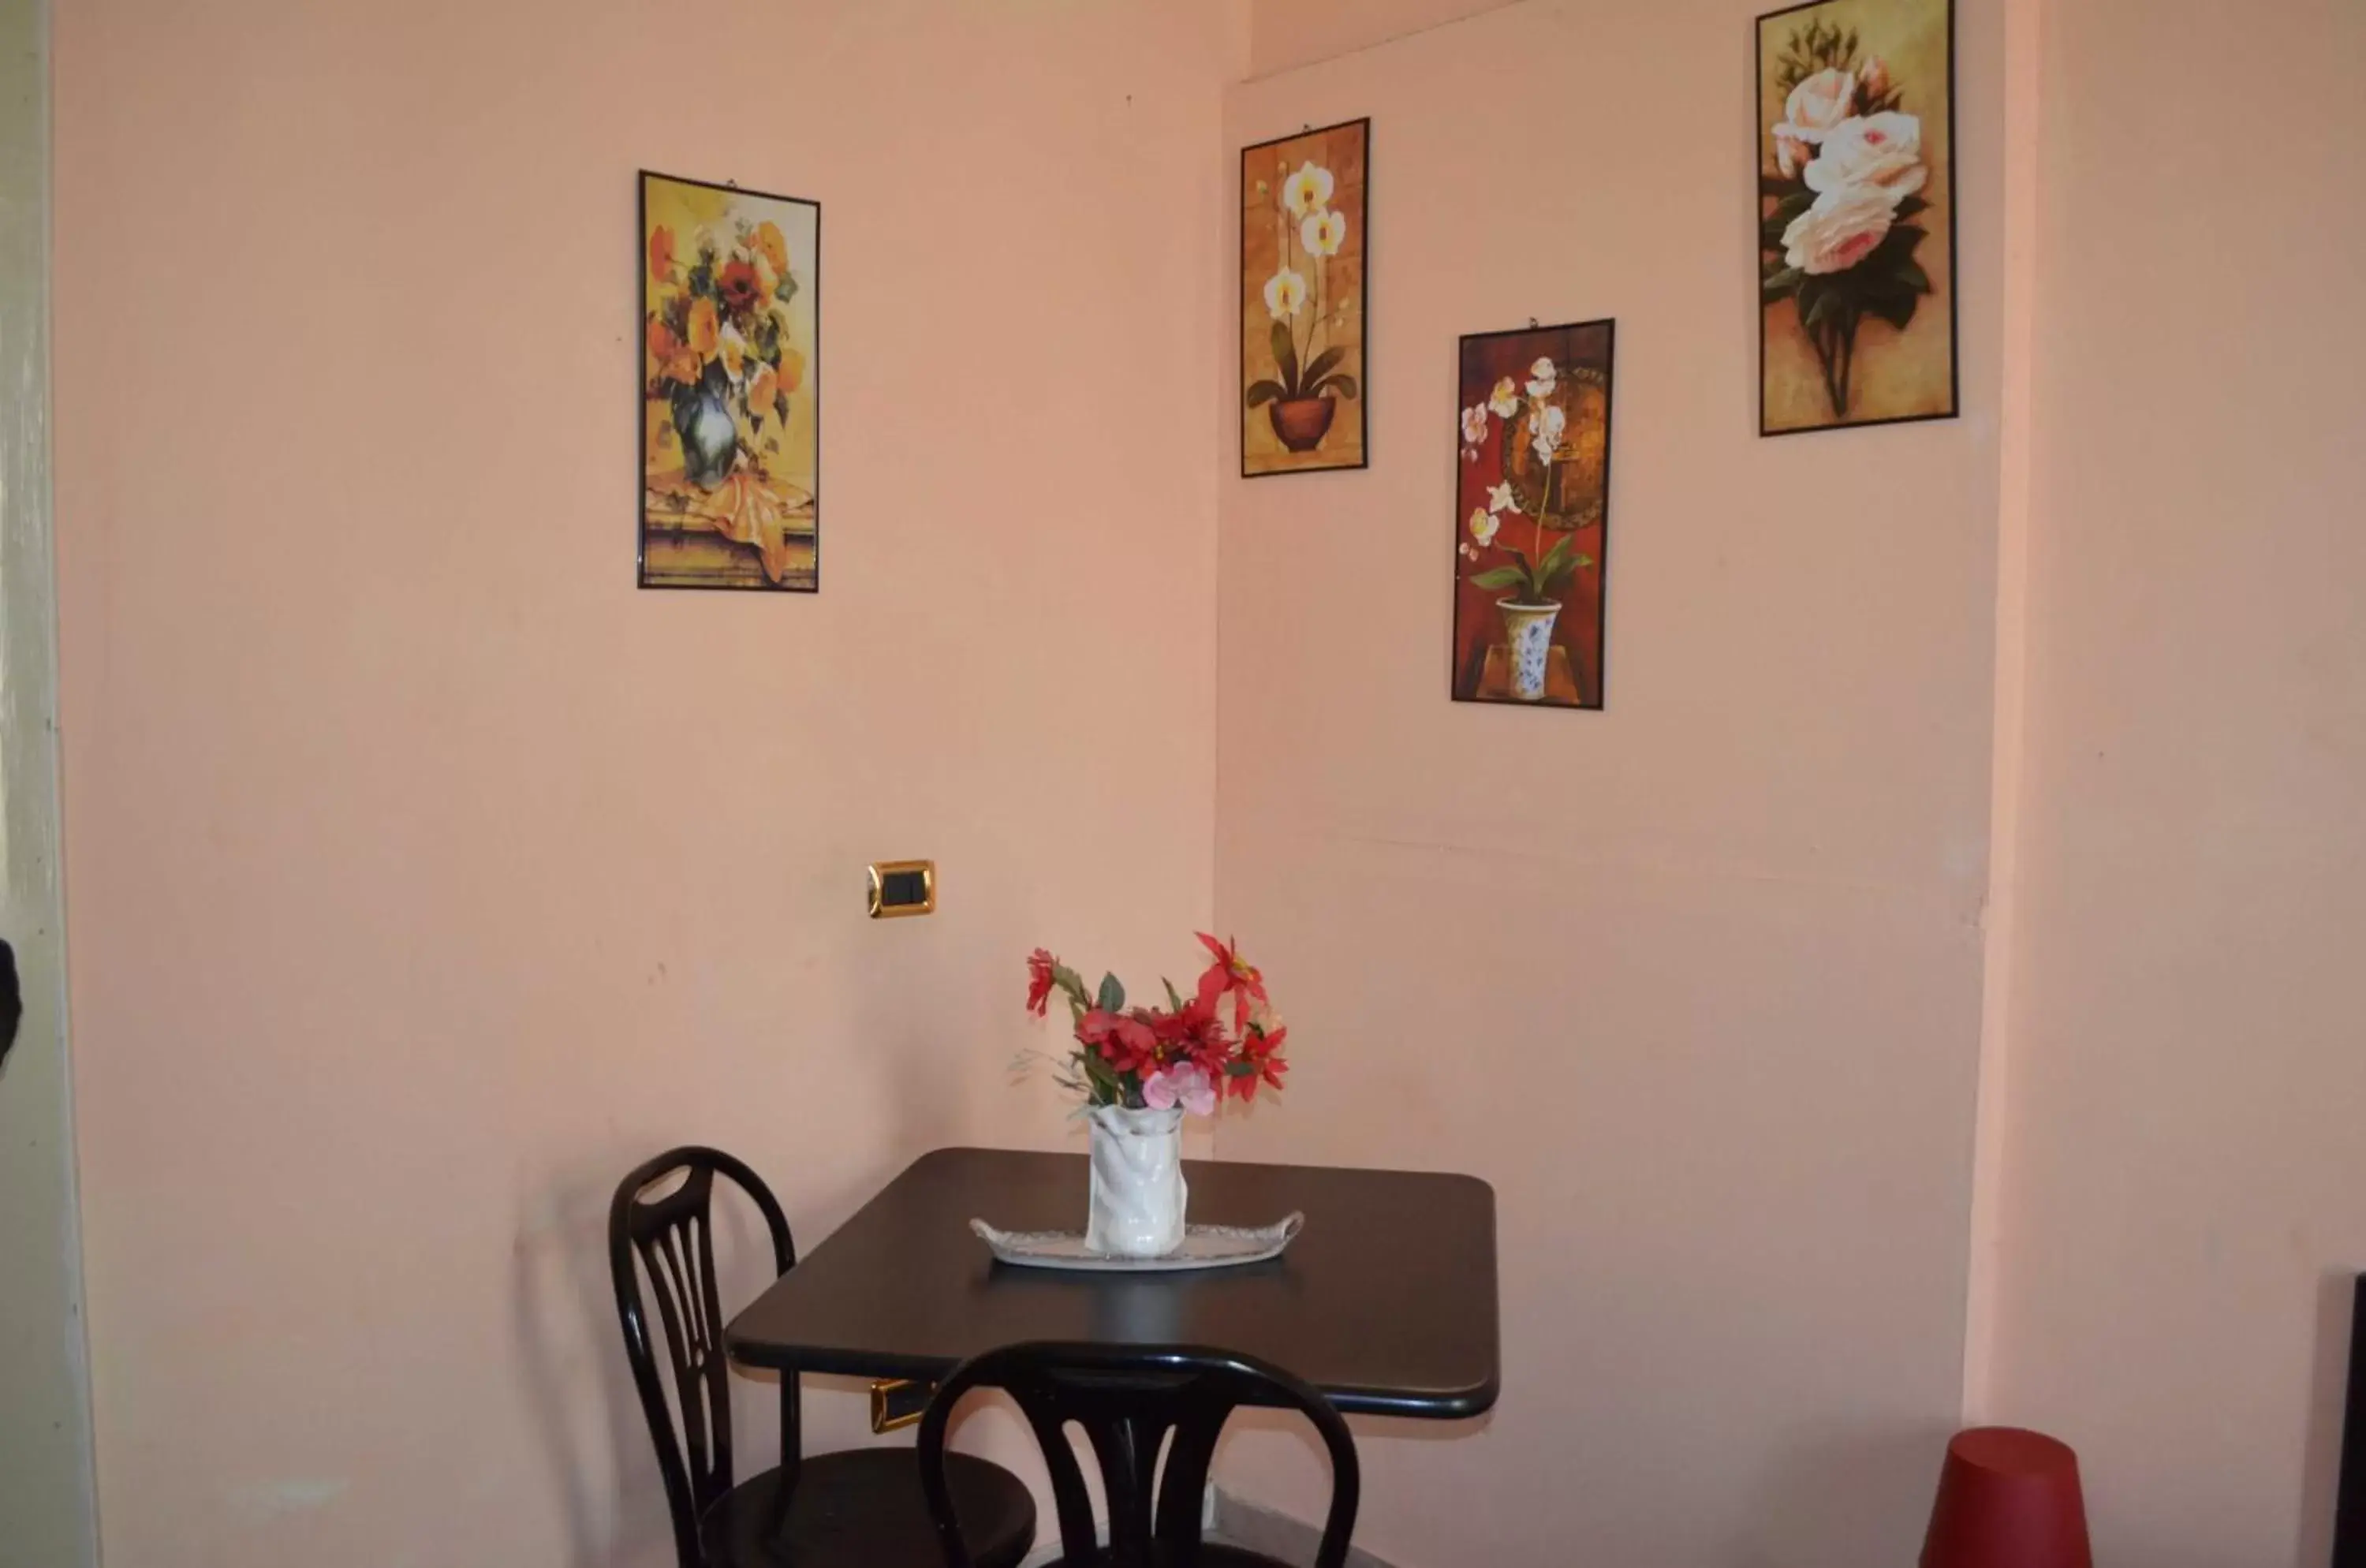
(1385, 1301)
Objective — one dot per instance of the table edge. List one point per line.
(1441, 1404)
(1459, 1176)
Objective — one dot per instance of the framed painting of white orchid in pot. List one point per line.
(1304, 262)
(1531, 509)
(1856, 209)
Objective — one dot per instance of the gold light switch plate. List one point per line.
(900, 887)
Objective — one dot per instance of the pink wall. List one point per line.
(2184, 1174)
(1285, 34)
(1695, 981)
(424, 873)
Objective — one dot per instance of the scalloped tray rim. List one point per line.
(1023, 1249)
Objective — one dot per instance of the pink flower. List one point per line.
(1040, 964)
(1818, 104)
(1126, 1043)
(1840, 230)
(1182, 1084)
(1873, 79)
(1229, 975)
(1881, 152)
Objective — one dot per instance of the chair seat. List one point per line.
(1207, 1554)
(862, 1508)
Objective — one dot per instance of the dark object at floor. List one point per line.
(2007, 1498)
(2349, 1509)
(12, 1001)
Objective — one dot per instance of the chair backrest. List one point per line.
(672, 1237)
(1128, 1399)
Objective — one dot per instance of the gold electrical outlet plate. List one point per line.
(900, 887)
(898, 1402)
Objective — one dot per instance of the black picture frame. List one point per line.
(1364, 315)
(640, 415)
(1458, 677)
(1955, 270)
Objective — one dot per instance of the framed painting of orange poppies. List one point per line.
(1857, 212)
(730, 374)
(1305, 201)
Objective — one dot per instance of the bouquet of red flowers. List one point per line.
(1192, 1053)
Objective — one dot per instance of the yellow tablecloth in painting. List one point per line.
(775, 518)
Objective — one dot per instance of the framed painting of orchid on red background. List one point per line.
(1857, 205)
(731, 360)
(1532, 504)
(1303, 264)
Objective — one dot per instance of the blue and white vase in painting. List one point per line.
(1528, 643)
(710, 441)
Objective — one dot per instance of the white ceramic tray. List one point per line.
(1204, 1247)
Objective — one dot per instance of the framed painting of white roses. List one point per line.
(730, 426)
(1531, 514)
(1304, 262)
(1856, 207)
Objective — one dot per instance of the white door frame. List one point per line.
(48, 1517)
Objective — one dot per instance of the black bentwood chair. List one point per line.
(1128, 1398)
(862, 1508)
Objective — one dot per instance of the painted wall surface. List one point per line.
(426, 875)
(47, 1517)
(1286, 34)
(1695, 981)
(2183, 1162)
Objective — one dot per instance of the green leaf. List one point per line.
(1554, 557)
(1895, 246)
(1498, 578)
(1321, 367)
(1112, 995)
(1778, 223)
(1814, 289)
(1777, 185)
(1910, 273)
(1898, 309)
(1262, 392)
(1338, 381)
(1558, 568)
(1285, 355)
(1911, 206)
(1174, 1000)
(1779, 284)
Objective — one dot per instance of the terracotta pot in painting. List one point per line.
(1302, 422)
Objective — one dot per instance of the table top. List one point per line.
(1386, 1301)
